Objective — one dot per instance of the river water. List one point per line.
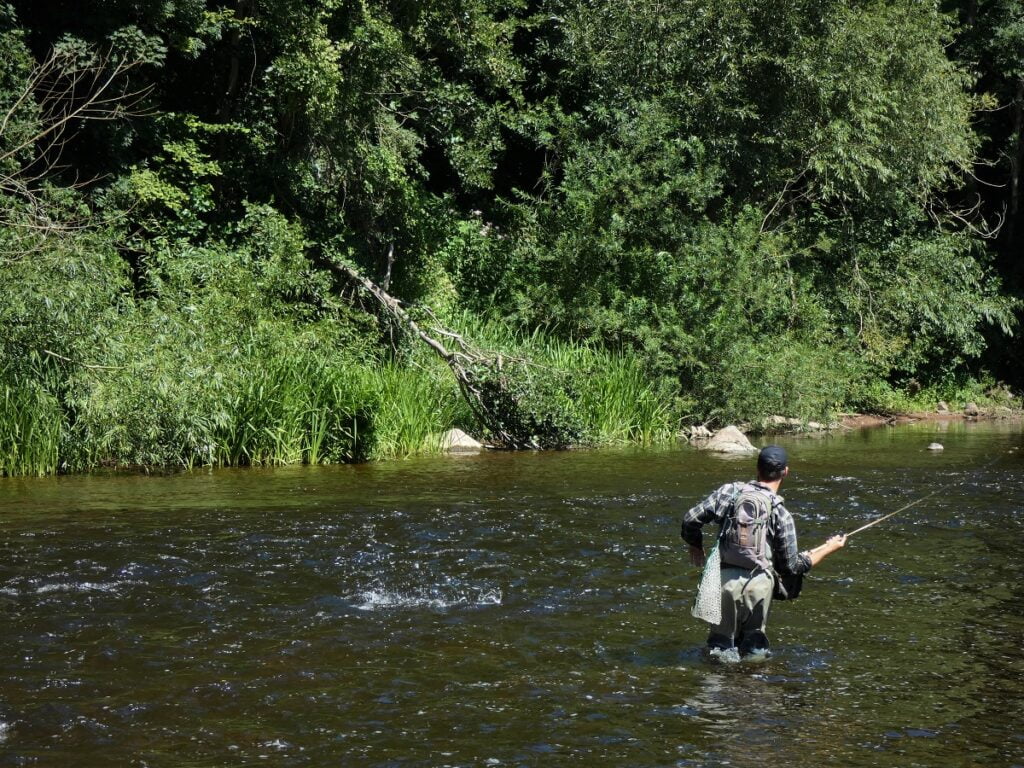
(511, 610)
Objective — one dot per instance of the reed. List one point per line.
(622, 405)
(415, 405)
(338, 415)
(290, 410)
(30, 429)
(287, 404)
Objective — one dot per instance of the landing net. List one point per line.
(707, 606)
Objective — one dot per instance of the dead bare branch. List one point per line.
(66, 93)
(83, 365)
(782, 198)
(969, 218)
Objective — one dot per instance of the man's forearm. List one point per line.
(822, 551)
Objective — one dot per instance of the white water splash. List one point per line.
(380, 599)
(84, 586)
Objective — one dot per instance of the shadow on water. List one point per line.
(509, 610)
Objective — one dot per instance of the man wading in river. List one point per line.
(757, 541)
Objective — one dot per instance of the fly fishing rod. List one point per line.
(886, 517)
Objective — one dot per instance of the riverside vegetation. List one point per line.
(699, 213)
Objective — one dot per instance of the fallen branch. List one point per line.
(487, 381)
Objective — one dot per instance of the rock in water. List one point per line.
(935, 447)
(729, 440)
(457, 441)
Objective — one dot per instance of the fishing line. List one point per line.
(918, 501)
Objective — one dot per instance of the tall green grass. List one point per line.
(30, 427)
(304, 409)
(624, 406)
(291, 410)
(278, 403)
(416, 405)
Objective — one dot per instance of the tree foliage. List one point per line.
(771, 206)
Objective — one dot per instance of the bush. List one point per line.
(574, 393)
(909, 397)
(779, 376)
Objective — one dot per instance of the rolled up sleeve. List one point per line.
(708, 511)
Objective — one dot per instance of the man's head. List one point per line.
(772, 463)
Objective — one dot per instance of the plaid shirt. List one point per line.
(781, 529)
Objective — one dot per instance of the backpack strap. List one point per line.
(727, 516)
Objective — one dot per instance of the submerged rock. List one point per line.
(729, 440)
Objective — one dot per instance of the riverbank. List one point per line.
(272, 405)
(867, 420)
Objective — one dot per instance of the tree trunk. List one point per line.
(1013, 215)
(226, 109)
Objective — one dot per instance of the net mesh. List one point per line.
(707, 606)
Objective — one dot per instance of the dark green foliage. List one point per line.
(990, 44)
(21, 115)
(701, 211)
(537, 408)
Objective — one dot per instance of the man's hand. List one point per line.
(822, 551)
(837, 542)
(697, 556)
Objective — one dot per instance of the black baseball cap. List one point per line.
(772, 458)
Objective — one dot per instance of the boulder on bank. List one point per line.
(790, 424)
(729, 440)
(457, 441)
(699, 432)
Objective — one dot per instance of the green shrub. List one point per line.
(579, 392)
(779, 376)
(909, 397)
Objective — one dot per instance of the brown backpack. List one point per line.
(743, 538)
